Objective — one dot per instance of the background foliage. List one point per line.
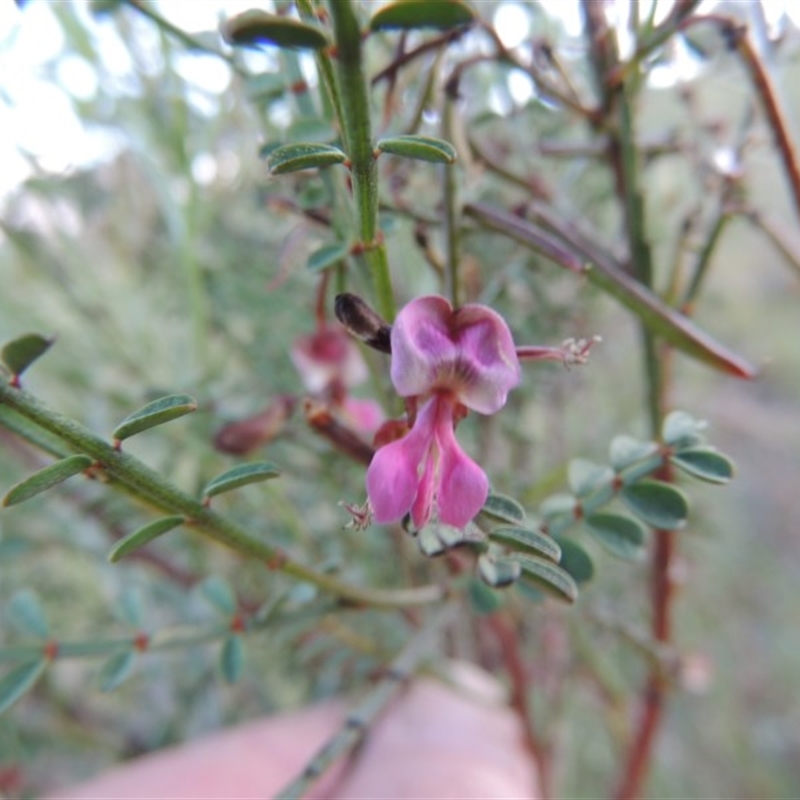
(178, 265)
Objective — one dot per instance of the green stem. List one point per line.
(324, 64)
(449, 218)
(167, 639)
(147, 485)
(357, 133)
(703, 262)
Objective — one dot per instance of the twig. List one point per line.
(519, 675)
(388, 72)
(357, 131)
(371, 707)
(150, 487)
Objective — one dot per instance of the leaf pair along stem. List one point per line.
(45, 427)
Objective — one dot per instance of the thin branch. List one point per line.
(736, 35)
(366, 713)
(148, 486)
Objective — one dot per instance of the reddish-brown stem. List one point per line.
(655, 690)
(347, 441)
(319, 308)
(406, 57)
(519, 674)
(736, 34)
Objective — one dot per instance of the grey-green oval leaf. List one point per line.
(25, 613)
(18, 354)
(503, 508)
(586, 476)
(219, 593)
(524, 539)
(423, 148)
(303, 155)
(429, 542)
(622, 536)
(256, 27)
(575, 560)
(19, 681)
(410, 14)
(329, 255)
(232, 658)
(498, 572)
(626, 451)
(241, 475)
(681, 429)
(704, 463)
(46, 478)
(659, 504)
(116, 670)
(548, 577)
(156, 413)
(143, 536)
(557, 507)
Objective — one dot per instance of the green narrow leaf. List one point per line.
(116, 670)
(626, 451)
(527, 540)
(498, 572)
(143, 535)
(19, 681)
(622, 536)
(660, 318)
(503, 508)
(659, 504)
(219, 593)
(18, 354)
(681, 429)
(422, 148)
(329, 255)
(24, 611)
(46, 478)
(256, 27)
(410, 14)
(241, 475)
(705, 463)
(548, 577)
(156, 413)
(575, 560)
(99, 8)
(303, 155)
(231, 658)
(586, 476)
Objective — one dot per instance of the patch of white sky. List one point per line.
(40, 75)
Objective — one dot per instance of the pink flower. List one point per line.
(446, 360)
(327, 357)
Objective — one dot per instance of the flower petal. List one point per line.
(366, 415)
(421, 344)
(488, 358)
(393, 475)
(423, 503)
(463, 485)
(325, 356)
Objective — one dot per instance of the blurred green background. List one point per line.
(158, 252)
